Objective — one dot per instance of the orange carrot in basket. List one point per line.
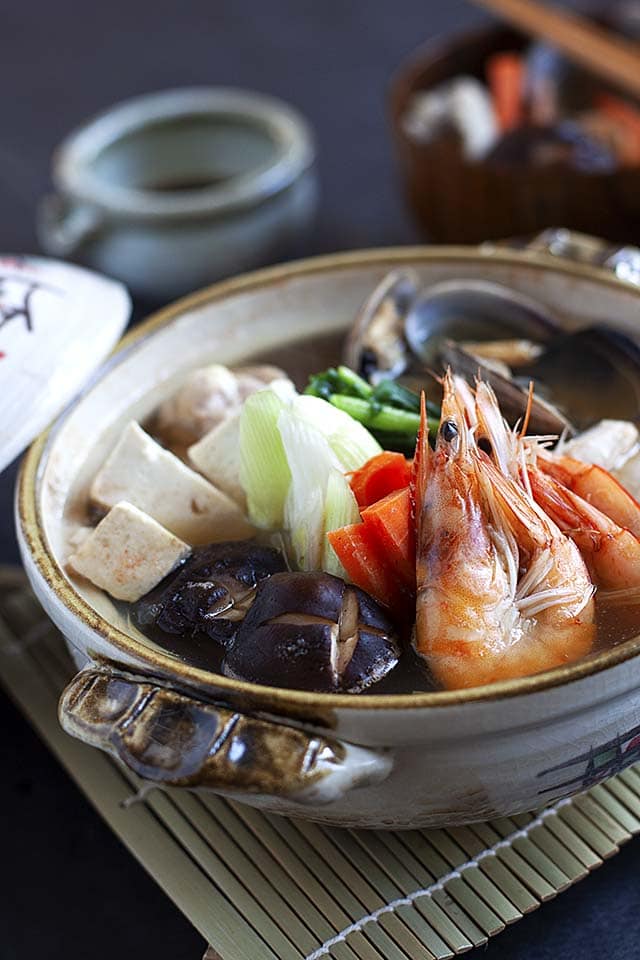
(505, 75)
(627, 118)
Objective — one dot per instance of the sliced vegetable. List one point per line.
(350, 441)
(321, 445)
(388, 410)
(390, 519)
(359, 551)
(382, 474)
(294, 453)
(378, 416)
(393, 394)
(343, 380)
(506, 73)
(341, 509)
(311, 462)
(335, 440)
(264, 471)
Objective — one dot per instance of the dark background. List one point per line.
(69, 889)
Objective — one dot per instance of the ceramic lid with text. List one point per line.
(58, 322)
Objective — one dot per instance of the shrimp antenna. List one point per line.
(421, 459)
(527, 414)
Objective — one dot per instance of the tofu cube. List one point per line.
(128, 553)
(217, 457)
(142, 472)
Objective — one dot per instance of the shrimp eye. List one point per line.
(449, 431)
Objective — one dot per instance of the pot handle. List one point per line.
(172, 739)
(624, 262)
(64, 227)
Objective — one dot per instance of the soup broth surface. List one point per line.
(616, 622)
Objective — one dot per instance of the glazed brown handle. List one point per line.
(172, 739)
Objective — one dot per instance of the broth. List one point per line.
(615, 625)
(616, 622)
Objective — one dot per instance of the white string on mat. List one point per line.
(410, 898)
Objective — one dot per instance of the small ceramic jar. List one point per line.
(173, 190)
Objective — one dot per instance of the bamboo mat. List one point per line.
(258, 886)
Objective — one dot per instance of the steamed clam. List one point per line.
(480, 328)
(376, 345)
(476, 312)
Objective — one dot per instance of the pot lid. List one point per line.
(57, 324)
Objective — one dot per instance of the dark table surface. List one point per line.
(69, 889)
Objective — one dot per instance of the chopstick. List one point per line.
(613, 58)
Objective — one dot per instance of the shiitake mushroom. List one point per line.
(207, 597)
(313, 631)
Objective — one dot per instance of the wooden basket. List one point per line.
(458, 201)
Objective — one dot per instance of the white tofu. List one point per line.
(608, 443)
(217, 457)
(128, 553)
(142, 472)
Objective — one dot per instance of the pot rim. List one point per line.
(291, 136)
(31, 526)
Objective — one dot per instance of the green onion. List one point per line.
(264, 471)
(349, 440)
(341, 509)
(391, 393)
(352, 384)
(390, 411)
(321, 444)
(381, 418)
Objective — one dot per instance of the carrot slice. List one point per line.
(391, 521)
(359, 552)
(625, 119)
(505, 73)
(380, 476)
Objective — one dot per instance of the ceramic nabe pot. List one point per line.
(420, 760)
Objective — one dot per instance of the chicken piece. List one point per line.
(128, 553)
(207, 396)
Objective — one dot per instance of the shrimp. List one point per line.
(611, 552)
(583, 500)
(501, 592)
(595, 485)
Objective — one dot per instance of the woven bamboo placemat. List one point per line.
(261, 886)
